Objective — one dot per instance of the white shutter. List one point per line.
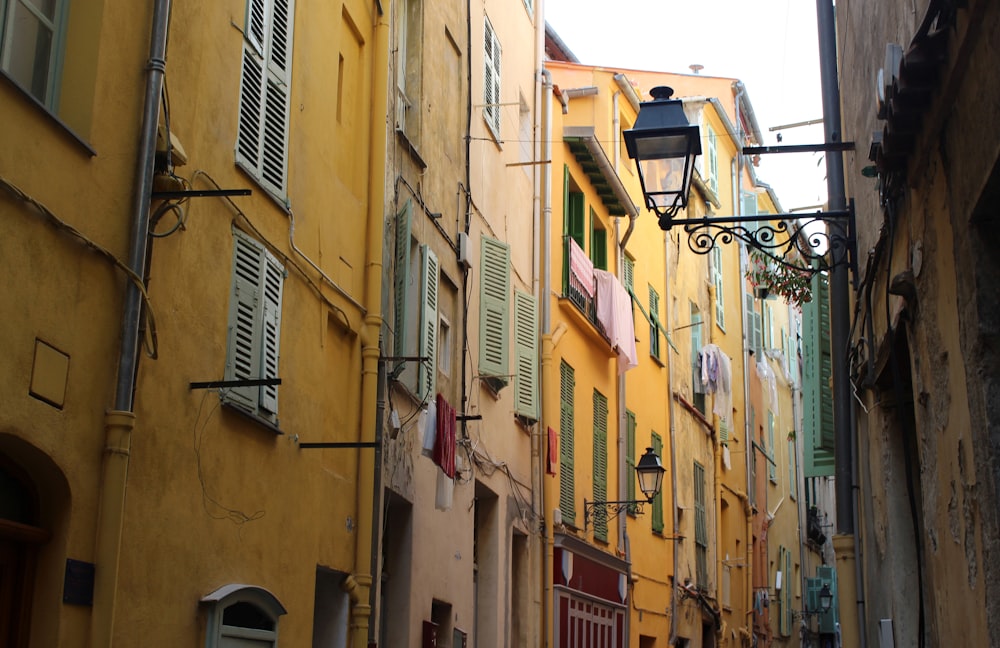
(426, 383)
(245, 320)
(273, 279)
(262, 140)
(491, 79)
(526, 355)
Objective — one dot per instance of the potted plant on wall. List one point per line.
(769, 277)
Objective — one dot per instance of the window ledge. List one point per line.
(59, 124)
(411, 148)
(574, 313)
(234, 407)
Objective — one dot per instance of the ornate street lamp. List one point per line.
(664, 146)
(825, 599)
(649, 471)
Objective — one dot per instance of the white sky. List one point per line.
(770, 45)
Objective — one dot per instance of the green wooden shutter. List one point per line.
(630, 476)
(817, 389)
(792, 460)
(628, 274)
(772, 468)
(700, 526)
(723, 430)
(577, 220)
(526, 355)
(401, 279)
(427, 374)
(246, 322)
(600, 464)
(654, 323)
(789, 584)
(494, 295)
(657, 516)
(567, 382)
(566, 229)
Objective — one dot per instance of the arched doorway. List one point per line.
(20, 537)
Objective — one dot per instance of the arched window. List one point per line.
(241, 616)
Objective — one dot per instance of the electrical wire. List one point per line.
(150, 341)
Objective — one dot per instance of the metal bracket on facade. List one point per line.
(198, 193)
(251, 382)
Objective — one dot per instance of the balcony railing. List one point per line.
(574, 287)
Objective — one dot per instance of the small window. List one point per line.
(242, 615)
(31, 46)
(444, 346)
(254, 328)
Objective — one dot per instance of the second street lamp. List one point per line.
(649, 471)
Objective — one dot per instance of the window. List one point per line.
(416, 318)
(700, 527)
(600, 465)
(598, 242)
(526, 355)
(698, 389)
(491, 80)
(792, 481)
(654, 323)
(630, 476)
(753, 326)
(712, 159)
(254, 327)
(720, 288)
(408, 68)
(567, 382)
(31, 46)
(656, 441)
(262, 138)
(772, 469)
(242, 615)
(494, 310)
(444, 346)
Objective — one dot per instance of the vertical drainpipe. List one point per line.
(539, 169)
(120, 422)
(672, 422)
(547, 346)
(359, 584)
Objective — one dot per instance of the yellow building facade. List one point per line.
(163, 483)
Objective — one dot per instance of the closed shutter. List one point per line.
(245, 320)
(654, 323)
(630, 476)
(526, 355)
(262, 136)
(273, 279)
(254, 326)
(657, 517)
(786, 609)
(494, 297)
(723, 430)
(567, 382)
(700, 527)
(577, 221)
(426, 378)
(600, 465)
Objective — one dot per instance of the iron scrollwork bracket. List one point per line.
(607, 511)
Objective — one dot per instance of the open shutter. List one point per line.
(245, 320)
(494, 297)
(700, 526)
(426, 383)
(600, 464)
(577, 220)
(657, 521)
(491, 79)
(720, 288)
(274, 161)
(274, 275)
(248, 136)
(630, 476)
(817, 391)
(526, 355)
(401, 278)
(567, 382)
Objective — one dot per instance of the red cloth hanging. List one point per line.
(553, 452)
(444, 446)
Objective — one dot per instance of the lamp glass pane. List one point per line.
(663, 175)
(662, 146)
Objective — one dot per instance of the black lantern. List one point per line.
(825, 599)
(650, 471)
(664, 146)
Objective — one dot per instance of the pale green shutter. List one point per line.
(657, 516)
(494, 296)
(720, 287)
(628, 274)
(788, 585)
(274, 276)
(401, 279)
(630, 476)
(700, 527)
(567, 382)
(772, 469)
(426, 376)
(526, 355)
(654, 323)
(600, 464)
(245, 320)
(817, 391)
(723, 430)
(792, 459)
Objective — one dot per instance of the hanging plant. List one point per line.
(769, 277)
